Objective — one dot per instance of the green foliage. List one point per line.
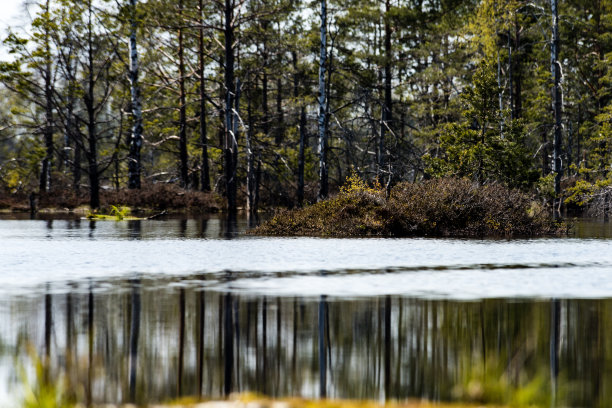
(117, 213)
(356, 185)
(485, 146)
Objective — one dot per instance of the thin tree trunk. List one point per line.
(387, 116)
(517, 94)
(264, 88)
(257, 180)
(229, 142)
(250, 182)
(205, 173)
(76, 175)
(92, 154)
(302, 129)
(182, 108)
(510, 79)
(556, 73)
(323, 170)
(45, 174)
(135, 144)
(279, 112)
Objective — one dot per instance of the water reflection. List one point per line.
(138, 343)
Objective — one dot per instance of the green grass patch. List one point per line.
(115, 214)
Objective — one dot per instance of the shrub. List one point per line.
(440, 207)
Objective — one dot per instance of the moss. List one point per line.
(440, 207)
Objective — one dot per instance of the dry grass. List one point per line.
(440, 207)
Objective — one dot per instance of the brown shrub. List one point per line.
(157, 197)
(440, 207)
(161, 196)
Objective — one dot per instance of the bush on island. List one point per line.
(438, 207)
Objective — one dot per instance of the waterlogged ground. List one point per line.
(148, 311)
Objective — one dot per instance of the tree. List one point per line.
(555, 66)
(476, 147)
(323, 170)
(135, 141)
(30, 76)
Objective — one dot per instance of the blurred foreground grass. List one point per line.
(257, 401)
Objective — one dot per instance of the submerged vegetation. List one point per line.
(437, 207)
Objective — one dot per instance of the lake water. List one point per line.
(149, 311)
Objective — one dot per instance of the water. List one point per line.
(148, 311)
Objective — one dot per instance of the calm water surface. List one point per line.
(147, 311)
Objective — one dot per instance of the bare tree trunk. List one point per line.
(302, 129)
(323, 168)
(250, 182)
(92, 153)
(280, 116)
(229, 142)
(387, 114)
(135, 143)
(517, 96)
(182, 108)
(510, 79)
(264, 87)
(556, 91)
(205, 173)
(45, 173)
(76, 175)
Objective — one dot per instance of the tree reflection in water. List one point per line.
(153, 339)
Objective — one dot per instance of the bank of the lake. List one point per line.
(434, 208)
(149, 200)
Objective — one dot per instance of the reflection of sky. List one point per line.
(34, 253)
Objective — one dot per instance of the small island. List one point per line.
(445, 207)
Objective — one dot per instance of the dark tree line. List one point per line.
(278, 101)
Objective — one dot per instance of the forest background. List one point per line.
(278, 101)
